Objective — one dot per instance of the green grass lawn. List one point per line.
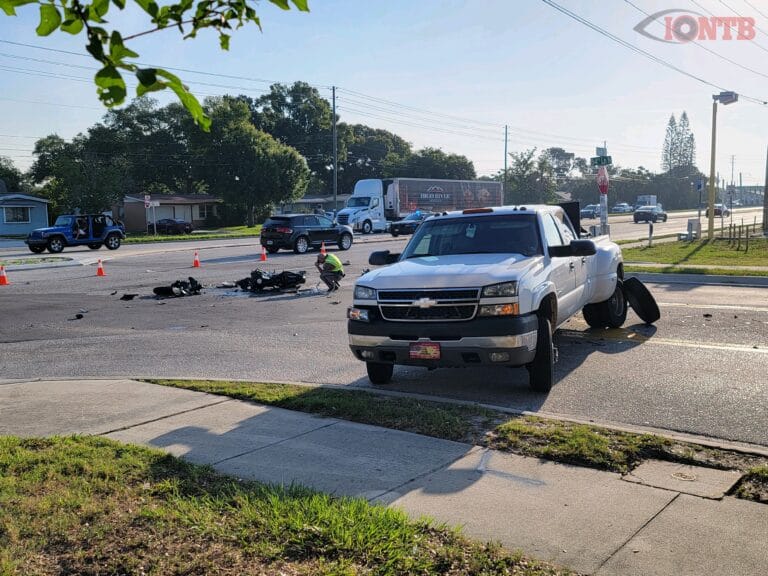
(41, 260)
(88, 505)
(216, 234)
(714, 253)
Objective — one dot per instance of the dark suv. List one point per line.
(300, 232)
(649, 214)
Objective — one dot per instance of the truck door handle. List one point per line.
(571, 265)
(583, 259)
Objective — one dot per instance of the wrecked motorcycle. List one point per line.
(261, 280)
(189, 287)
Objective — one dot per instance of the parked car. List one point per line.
(590, 211)
(300, 232)
(92, 230)
(720, 210)
(650, 214)
(171, 226)
(408, 224)
(622, 208)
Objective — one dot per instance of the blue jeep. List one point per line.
(92, 230)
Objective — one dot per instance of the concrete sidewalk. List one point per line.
(663, 519)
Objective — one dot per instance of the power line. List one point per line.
(748, 3)
(740, 16)
(640, 51)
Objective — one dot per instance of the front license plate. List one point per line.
(424, 351)
(269, 242)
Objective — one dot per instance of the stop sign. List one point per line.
(602, 180)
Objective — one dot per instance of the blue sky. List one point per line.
(486, 63)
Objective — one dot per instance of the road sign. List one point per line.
(700, 185)
(600, 161)
(602, 180)
(154, 204)
(147, 199)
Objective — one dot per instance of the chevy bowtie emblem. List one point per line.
(424, 302)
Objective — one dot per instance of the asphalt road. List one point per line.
(700, 370)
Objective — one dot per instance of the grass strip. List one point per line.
(556, 440)
(714, 271)
(709, 253)
(89, 505)
(42, 260)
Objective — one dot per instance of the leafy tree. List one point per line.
(253, 170)
(562, 162)
(529, 179)
(370, 151)
(430, 163)
(76, 176)
(109, 49)
(12, 177)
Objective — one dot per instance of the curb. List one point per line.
(701, 279)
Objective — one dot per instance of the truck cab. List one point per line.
(92, 230)
(365, 208)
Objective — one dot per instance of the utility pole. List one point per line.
(335, 156)
(506, 128)
(765, 198)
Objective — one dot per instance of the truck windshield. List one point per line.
(63, 221)
(497, 234)
(358, 202)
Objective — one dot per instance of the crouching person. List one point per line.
(331, 270)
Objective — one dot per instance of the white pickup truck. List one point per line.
(486, 287)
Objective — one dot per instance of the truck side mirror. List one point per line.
(575, 248)
(382, 258)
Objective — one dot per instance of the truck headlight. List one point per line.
(357, 314)
(364, 293)
(511, 309)
(503, 289)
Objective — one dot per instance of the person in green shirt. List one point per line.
(331, 270)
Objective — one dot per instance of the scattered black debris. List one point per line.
(190, 287)
(113, 293)
(203, 325)
(260, 280)
(128, 296)
(365, 271)
(707, 315)
(346, 263)
(77, 317)
(336, 302)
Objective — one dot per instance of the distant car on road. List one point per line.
(408, 224)
(92, 230)
(720, 210)
(649, 214)
(622, 208)
(590, 211)
(170, 226)
(300, 232)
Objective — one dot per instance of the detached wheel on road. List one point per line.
(367, 227)
(301, 245)
(94, 246)
(272, 249)
(55, 245)
(541, 372)
(642, 302)
(379, 373)
(345, 241)
(37, 249)
(611, 313)
(112, 242)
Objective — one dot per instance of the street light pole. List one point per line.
(724, 98)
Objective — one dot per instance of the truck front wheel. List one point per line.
(541, 372)
(367, 227)
(611, 313)
(379, 373)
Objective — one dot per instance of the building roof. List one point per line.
(175, 199)
(4, 198)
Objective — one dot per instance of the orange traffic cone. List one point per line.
(322, 248)
(196, 262)
(3, 277)
(100, 269)
(263, 254)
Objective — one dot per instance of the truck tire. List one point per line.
(112, 242)
(611, 313)
(345, 241)
(367, 227)
(541, 372)
(642, 302)
(55, 244)
(379, 373)
(301, 245)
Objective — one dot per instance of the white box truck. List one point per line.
(374, 202)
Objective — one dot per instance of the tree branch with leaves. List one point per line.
(109, 49)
